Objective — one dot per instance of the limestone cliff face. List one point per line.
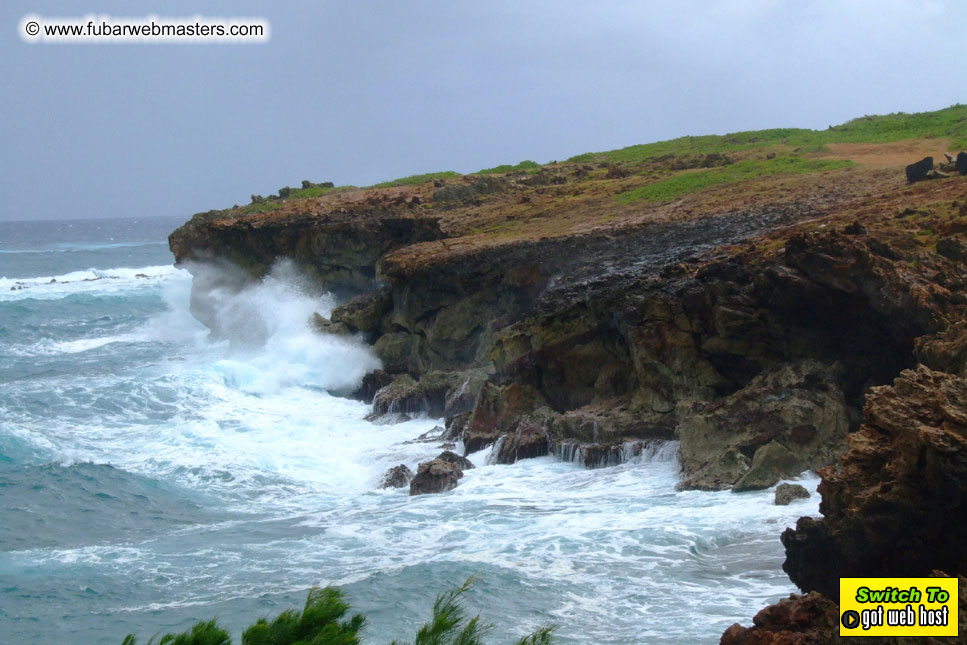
(650, 323)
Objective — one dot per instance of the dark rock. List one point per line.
(467, 193)
(326, 326)
(952, 248)
(855, 229)
(396, 351)
(498, 411)
(945, 351)
(786, 493)
(351, 242)
(396, 477)
(918, 171)
(435, 394)
(435, 476)
(372, 383)
(365, 312)
(961, 163)
(715, 159)
(401, 396)
(455, 425)
(898, 505)
(813, 619)
(463, 390)
(527, 441)
(453, 458)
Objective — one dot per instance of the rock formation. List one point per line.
(898, 505)
(397, 477)
(435, 476)
(787, 493)
(567, 310)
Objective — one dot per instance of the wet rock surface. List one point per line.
(453, 458)
(435, 476)
(541, 315)
(788, 493)
(396, 477)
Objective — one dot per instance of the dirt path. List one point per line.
(890, 155)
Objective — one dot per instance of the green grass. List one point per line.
(947, 123)
(417, 179)
(526, 165)
(687, 182)
(261, 207)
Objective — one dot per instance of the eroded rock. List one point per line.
(527, 441)
(784, 422)
(324, 325)
(435, 476)
(787, 493)
(898, 505)
(453, 458)
(396, 477)
(813, 619)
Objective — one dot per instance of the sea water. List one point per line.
(152, 476)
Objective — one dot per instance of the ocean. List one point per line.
(151, 477)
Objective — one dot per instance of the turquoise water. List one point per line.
(151, 476)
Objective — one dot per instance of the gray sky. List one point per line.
(359, 92)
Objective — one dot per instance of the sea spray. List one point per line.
(226, 479)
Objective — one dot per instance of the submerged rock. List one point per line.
(435, 476)
(786, 493)
(396, 477)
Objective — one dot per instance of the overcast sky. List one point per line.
(359, 92)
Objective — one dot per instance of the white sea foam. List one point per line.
(610, 555)
(89, 281)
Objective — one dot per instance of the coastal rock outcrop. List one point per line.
(813, 619)
(783, 422)
(338, 251)
(435, 476)
(898, 504)
(787, 493)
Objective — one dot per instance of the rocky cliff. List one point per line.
(775, 309)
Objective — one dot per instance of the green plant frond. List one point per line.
(543, 636)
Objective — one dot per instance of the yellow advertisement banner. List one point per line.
(898, 607)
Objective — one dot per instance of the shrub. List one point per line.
(321, 622)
